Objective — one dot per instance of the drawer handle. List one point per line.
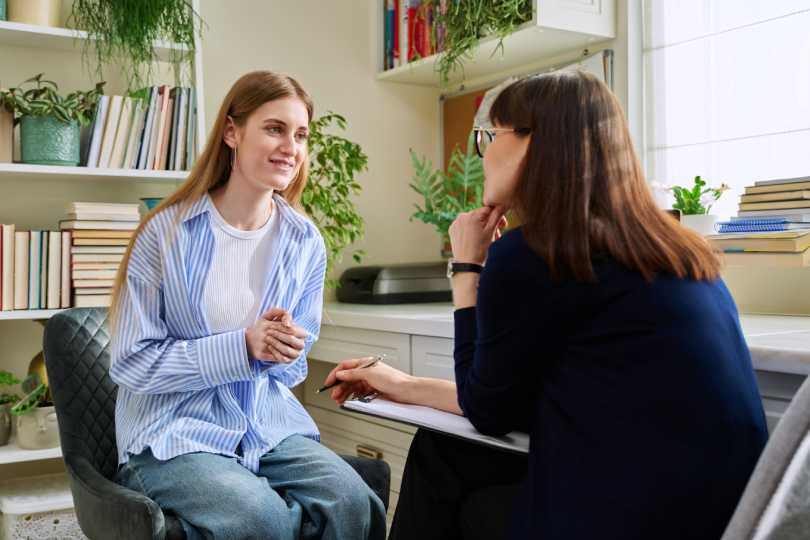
(368, 452)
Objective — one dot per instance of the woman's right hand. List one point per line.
(389, 382)
(275, 338)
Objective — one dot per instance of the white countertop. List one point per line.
(778, 342)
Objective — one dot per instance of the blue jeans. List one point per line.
(302, 490)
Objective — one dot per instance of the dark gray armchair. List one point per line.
(76, 346)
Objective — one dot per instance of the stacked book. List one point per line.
(152, 129)
(774, 205)
(768, 249)
(35, 268)
(100, 233)
(772, 227)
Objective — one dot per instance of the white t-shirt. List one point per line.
(236, 279)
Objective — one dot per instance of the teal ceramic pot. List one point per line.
(3, 10)
(45, 140)
(151, 202)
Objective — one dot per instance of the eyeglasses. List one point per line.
(484, 136)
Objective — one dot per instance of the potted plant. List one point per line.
(123, 34)
(446, 194)
(6, 401)
(36, 416)
(50, 124)
(464, 23)
(327, 199)
(695, 202)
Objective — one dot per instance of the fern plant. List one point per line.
(447, 194)
(327, 199)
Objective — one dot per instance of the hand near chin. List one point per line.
(472, 232)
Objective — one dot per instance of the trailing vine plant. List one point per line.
(468, 21)
(123, 33)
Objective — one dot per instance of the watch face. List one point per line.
(450, 268)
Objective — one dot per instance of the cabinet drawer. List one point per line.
(338, 343)
(774, 409)
(343, 434)
(309, 396)
(778, 385)
(433, 357)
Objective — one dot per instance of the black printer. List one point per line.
(395, 284)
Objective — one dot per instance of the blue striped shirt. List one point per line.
(183, 389)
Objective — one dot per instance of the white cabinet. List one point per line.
(557, 28)
(339, 343)
(432, 357)
(777, 391)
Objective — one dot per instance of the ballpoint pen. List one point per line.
(370, 364)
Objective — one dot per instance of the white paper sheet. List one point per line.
(436, 420)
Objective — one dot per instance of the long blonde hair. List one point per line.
(212, 168)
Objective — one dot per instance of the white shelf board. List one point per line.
(38, 172)
(28, 314)
(65, 39)
(529, 46)
(11, 453)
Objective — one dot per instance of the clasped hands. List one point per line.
(275, 338)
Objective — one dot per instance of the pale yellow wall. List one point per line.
(331, 48)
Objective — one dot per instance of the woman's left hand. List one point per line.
(472, 232)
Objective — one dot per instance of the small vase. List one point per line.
(5, 424)
(700, 223)
(38, 429)
(46, 140)
(38, 12)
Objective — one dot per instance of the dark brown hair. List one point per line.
(582, 191)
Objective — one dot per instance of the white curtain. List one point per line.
(727, 92)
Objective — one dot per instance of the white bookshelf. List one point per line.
(558, 28)
(40, 40)
(11, 453)
(61, 39)
(45, 172)
(28, 314)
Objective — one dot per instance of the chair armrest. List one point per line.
(375, 472)
(105, 509)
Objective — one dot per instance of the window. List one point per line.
(727, 92)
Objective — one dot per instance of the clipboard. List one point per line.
(436, 420)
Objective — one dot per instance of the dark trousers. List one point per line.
(453, 489)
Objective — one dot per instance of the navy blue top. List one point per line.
(640, 398)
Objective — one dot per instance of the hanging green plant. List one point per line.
(128, 29)
(327, 199)
(468, 21)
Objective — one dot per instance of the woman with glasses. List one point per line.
(600, 326)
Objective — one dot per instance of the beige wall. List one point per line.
(331, 48)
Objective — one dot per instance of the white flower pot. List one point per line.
(700, 223)
(38, 429)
